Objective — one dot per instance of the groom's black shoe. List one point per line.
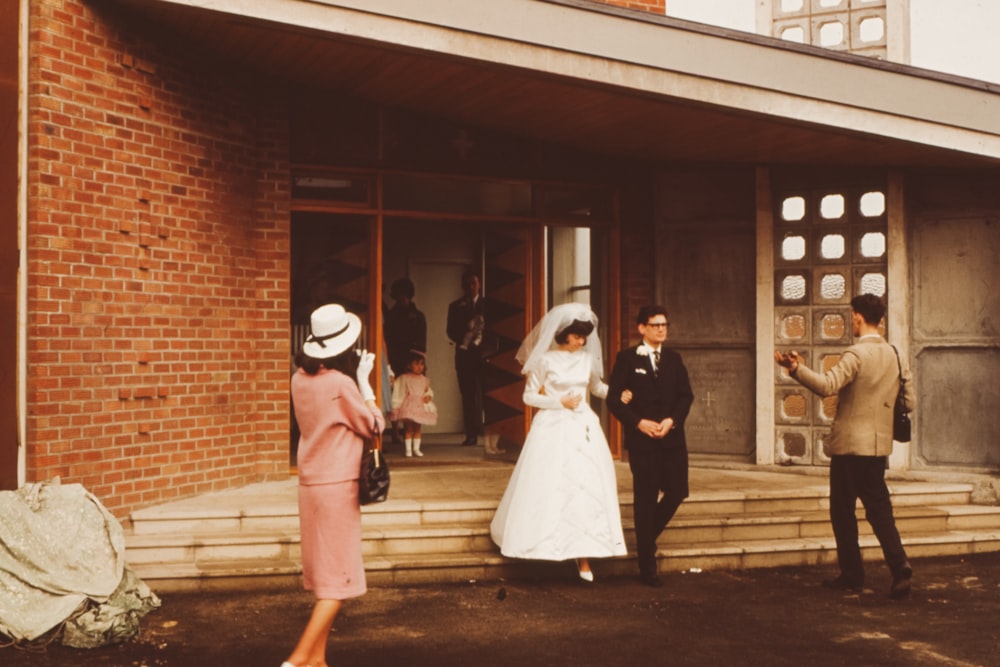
(468, 442)
(901, 582)
(651, 580)
(842, 583)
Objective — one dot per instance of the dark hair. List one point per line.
(346, 362)
(578, 327)
(870, 307)
(402, 287)
(647, 312)
(468, 275)
(414, 355)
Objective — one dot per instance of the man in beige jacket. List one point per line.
(865, 381)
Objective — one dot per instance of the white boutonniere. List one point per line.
(643, 350)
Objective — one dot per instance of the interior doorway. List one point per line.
(433, 255)
(439, 280)
(533, 245)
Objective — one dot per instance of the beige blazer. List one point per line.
(865, 381)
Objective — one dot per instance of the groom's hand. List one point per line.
(650, 428)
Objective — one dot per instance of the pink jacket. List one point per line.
(333, 421)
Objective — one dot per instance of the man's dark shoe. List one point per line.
(901, 582)
(651, 580)
(468, 442)
(842, 583)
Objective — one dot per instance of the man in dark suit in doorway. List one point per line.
(466, 326)
(650, 394)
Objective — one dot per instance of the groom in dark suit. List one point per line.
(653, 421)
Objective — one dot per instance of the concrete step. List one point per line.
(398, 547)
(462, 566)
(281, 513)
(464, 529)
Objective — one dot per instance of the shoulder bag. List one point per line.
(373, 482)
(900, 417)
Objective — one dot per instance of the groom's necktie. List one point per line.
(656, 361)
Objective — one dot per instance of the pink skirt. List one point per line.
(414, 409)
(330, 525)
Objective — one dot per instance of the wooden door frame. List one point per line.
(536, 294)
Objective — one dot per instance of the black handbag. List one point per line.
(900, 417)
(373, 482)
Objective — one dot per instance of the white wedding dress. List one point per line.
(562, 499)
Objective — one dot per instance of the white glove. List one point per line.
(365, 365)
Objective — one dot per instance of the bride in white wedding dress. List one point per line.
(562, 499)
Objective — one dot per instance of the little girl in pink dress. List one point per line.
(412, 402)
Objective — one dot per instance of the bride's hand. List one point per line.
(570, 401)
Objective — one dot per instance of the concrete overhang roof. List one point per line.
(610, 80)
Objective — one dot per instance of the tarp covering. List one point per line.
(62, 557)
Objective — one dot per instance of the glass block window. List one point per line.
(873, 244)
(873, 283)
(833, 326)
(793, 445)
(793, 327)
(857, 26)
(831, 207)
(830, 245)
(795, 34)
(832, 34)
(793, 208)
(872, 204)
(793, 247)
(794, 406)
(793, 288)
(872, 29)
(833, 286)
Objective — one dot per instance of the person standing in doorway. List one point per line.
(405, 326)
(413, 402)
(650, 394)
(466, 326)
(865, 381)
(405, 330)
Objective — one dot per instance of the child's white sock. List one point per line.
(409, 446)
(416, 447)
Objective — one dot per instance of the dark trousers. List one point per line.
(656, 468)
(469, 369)
(853, 477)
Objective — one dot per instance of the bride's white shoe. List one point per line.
(587, 576)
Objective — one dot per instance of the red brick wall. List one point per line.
(158, 231)
(654, 6)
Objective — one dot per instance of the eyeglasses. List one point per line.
(657, 325)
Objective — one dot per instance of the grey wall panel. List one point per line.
(958, 410)
(956, 271)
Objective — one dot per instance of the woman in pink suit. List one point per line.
(335, 409)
